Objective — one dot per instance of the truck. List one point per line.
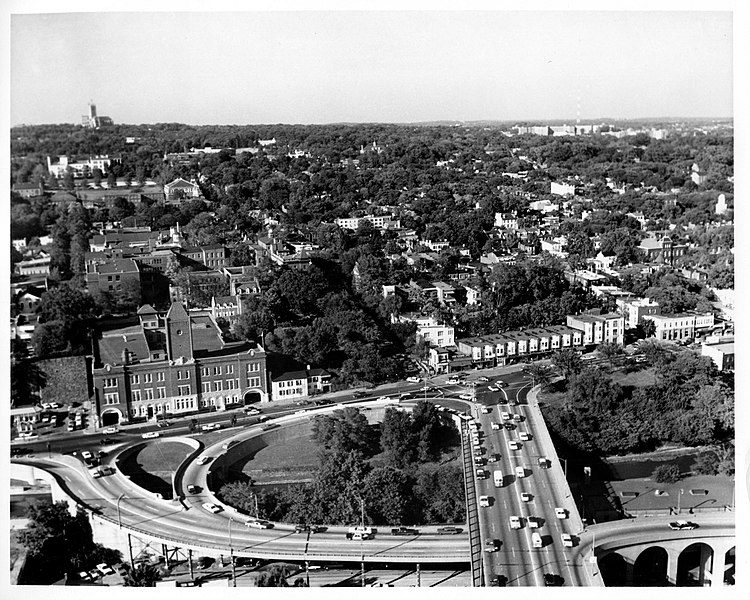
(536, 540)
(498, 478)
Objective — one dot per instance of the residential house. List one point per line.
(180, 189)
(29, 190)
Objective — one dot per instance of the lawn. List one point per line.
(288, 461)
(152, 467)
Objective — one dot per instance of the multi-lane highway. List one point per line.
(529, 495)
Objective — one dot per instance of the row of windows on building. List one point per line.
(291, 392)
(135, 378)
(290, 383)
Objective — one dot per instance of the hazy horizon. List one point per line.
(379, 67)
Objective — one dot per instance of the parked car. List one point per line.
(404, 531)
(105, 569)
(251, 410)
(486, 409)
(150, 435)
(212, 508)
(449, 530)
(110, 430)
(414, 379)
(466, 396)
(680, 525)
(493, 388)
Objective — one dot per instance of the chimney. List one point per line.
(125, 356)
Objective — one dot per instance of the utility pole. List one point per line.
(231, 554)
(419, 576)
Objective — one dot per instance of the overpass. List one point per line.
(129, 518)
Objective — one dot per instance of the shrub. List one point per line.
(666, 474)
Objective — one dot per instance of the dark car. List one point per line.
(193, 489)
(509, 426)
(360, 394)
(498, 581)
(553, 580)
(301, 528)
(404, 531)
(449, 530)
(680, 525)
(106, 441)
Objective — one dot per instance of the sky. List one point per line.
(369, 66)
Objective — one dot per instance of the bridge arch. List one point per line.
(650, 568)
(694, 565)
(614, 569)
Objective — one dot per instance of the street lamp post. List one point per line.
(679, 497)
(231, 554)
(119, 519)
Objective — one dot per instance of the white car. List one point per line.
(258, 524)
(212, 508)
(383, 399)
(494, 425)
(466, 396)
(526, 497)
(518, 418)
(561, 513)
(105, 569)
(515, 522)
(567, 540)
(150, 435)
(486, 410)
(505, 416)
(483, 378)
(203, 460)
(534, 522)
(484, 501)
(86, 455)
(492, 388)
(525, 436)
(414, 379)
(110, 430)
(514, 445)
(210, 426)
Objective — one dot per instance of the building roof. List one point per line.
(289, 375)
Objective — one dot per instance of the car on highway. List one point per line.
(680, 525)
(509, 426)
(526, 497)
(483, 378)
(210, 426)
(515, 522)
(484, 501)
(514, 445)
(567, 540)
(259, 524)
(518, 418)
(486, 410)
(561, 513)
(505, 416)
(105, 441)
(525, 436)
(494, 425)
(553, 580)
(405, 396)
(150, 435)
(383, 398)
(193, 489)
(404, 531)
(480, 460)
(534, 522)
(520, 471)
(251, 410)
(492, 545)
(543, 462)
(481, 474)
(449, 530)
(212, 508)
(203, 460)
(466, 396)
(360, 394)
(414, 379)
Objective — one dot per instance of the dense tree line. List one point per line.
(689, 404)
(390, 474)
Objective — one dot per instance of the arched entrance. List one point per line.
(613, 569)
(650, 568)
(693, 563)
(110, 417)
(251, 397)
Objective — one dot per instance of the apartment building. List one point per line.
(635, 309)
(682, 326)
(599, 329)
